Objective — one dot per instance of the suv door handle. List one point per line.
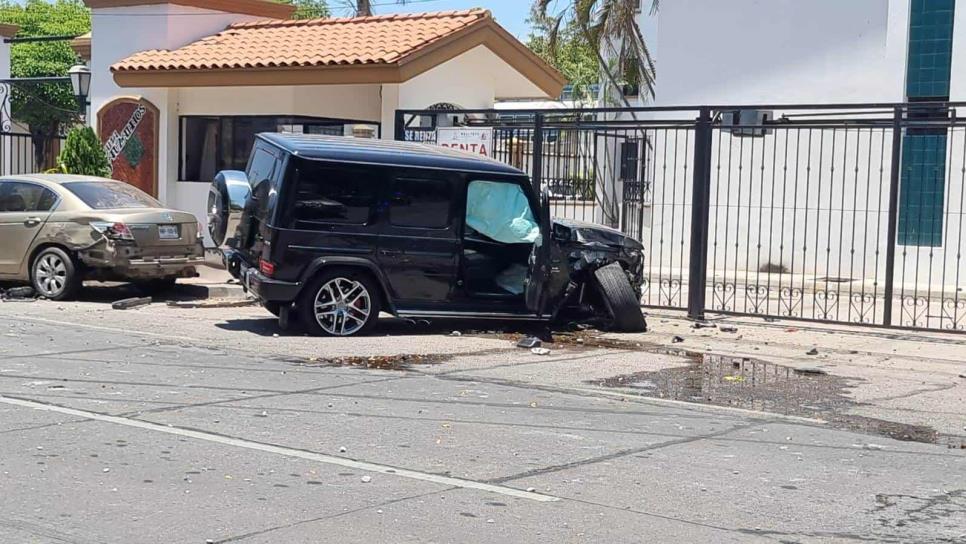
(31, 222)
(390, 252)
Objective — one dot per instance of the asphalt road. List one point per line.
(113, 433)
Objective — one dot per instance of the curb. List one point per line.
(207, 291)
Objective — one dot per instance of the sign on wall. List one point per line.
(128, 128)
(473, 140)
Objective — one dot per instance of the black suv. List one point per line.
(339, 229)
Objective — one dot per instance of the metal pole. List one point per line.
(399, 128)
(700, 215)
(537, 176)
(890, 263)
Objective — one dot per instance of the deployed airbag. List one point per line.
(500, 211)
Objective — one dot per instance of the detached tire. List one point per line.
(54, 274)
(340, 302)
(619, 299)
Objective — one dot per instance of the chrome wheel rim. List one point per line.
(342, 306)
(51, 275)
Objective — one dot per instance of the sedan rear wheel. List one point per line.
(54, 274)
(340, 304)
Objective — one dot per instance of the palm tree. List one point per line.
(612, 24)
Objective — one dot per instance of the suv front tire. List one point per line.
(340, 302)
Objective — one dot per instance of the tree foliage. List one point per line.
(569, 52)
(309, 9)
(83, 154)
(44, 106)
(611, 25)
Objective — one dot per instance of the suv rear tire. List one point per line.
(339, 302)
(619, 299)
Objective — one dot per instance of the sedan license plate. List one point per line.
(168, 232)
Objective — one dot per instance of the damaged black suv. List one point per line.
(340, 229)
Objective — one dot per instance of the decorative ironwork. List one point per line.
(954, 314)
(756, 298)
(914, 310)
(723, 296)
(862, 307)
(6, 121)
(790, 302)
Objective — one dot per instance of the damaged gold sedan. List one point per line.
(57, 230)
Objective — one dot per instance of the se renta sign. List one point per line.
(478, 141)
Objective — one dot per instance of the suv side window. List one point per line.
(25, 197)
(326, 193)
(423, 200)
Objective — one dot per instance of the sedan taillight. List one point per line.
(114, 231)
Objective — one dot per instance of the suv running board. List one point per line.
(472, 315)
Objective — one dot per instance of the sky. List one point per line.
(511, 14)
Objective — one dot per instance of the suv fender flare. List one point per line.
(322, 263)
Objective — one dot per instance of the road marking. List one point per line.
(106, 329)
(281, 450)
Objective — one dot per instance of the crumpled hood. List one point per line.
(592, 234)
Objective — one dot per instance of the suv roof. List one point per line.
(373, 151)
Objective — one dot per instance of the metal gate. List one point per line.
(835, 213)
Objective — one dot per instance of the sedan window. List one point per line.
(110, 195)
(25, 197)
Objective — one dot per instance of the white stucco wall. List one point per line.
(473, 79)
(118, 33)
(778, 51)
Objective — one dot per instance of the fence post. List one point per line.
(537, 177)
(890, 264)
(700, 215)
(399, 126)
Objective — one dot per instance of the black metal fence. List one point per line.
(838, 213)
(21, 153)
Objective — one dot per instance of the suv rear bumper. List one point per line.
(257, 284)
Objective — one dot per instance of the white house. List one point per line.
(180, 87)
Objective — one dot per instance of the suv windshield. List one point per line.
(110, 195)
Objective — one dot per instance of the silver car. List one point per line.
(57, 230)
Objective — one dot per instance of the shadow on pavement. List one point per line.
(392, 326)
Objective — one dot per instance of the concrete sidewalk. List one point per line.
(910, 377)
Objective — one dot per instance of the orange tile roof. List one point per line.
(378, 40)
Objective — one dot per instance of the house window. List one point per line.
(923, 175)
(210, 144)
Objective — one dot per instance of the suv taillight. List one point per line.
(266, 267)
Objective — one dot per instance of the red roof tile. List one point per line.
(378, 40)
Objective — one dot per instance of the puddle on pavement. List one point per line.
(757, 385)
(381, 362)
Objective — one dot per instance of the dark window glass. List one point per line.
(210, 144)
(326, 194)
(25, 197)
(421, 202)
(110, 195)
(261, 176)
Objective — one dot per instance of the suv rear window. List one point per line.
(326, 194)
(110, 195)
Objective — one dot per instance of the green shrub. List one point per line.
(83, 154)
